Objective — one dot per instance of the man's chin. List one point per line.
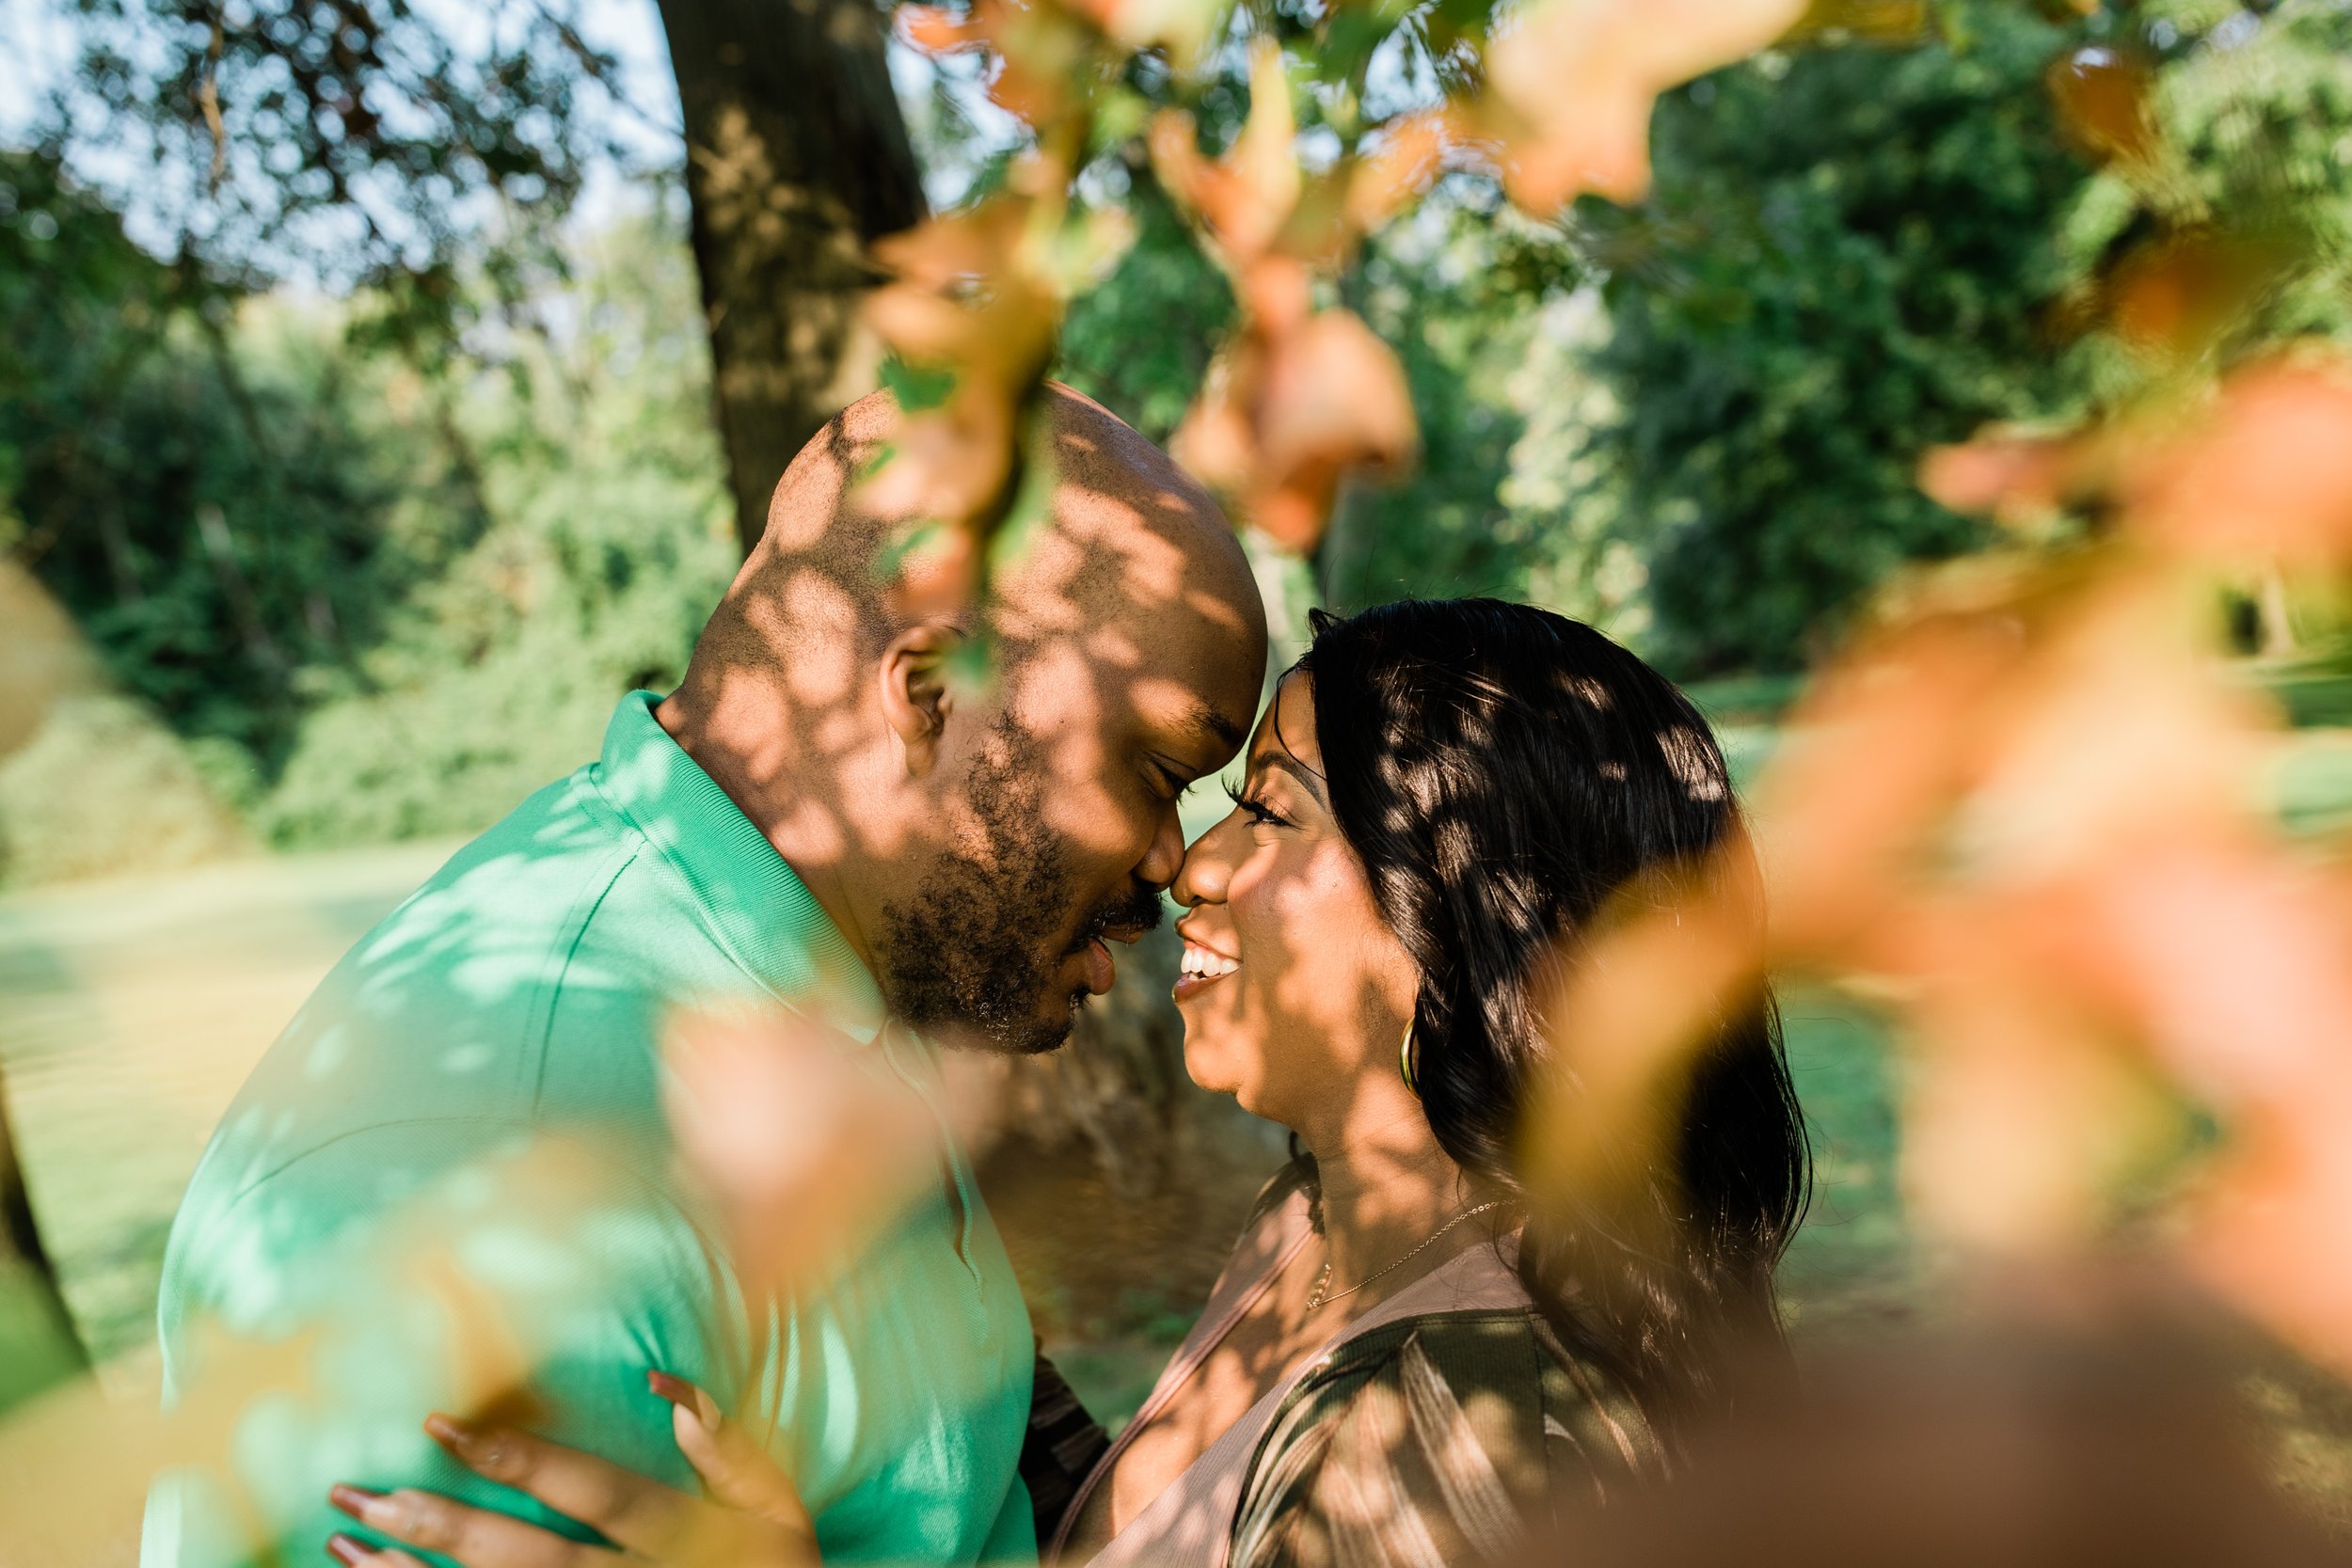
(1051, 1033)
(1040, 1035)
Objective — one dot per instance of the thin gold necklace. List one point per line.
(1316, 1299)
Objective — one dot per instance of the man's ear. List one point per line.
(915, 700)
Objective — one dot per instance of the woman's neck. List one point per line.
(1387, 1187)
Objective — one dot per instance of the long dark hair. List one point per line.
(1503, 772)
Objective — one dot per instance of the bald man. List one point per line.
(840, 811)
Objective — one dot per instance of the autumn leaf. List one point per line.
(1570, 87)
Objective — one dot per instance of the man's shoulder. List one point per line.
(451, 1017)
(562, 839)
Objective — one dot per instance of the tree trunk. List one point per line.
(38, 1344)
(797, 158)
(2273, 621)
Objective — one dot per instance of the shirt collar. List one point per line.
(756, 905)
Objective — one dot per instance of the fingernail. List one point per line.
(354, 1500)
(686, 1397)
(342, 1548)
(451, 1433)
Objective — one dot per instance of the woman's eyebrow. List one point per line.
(1297, 770)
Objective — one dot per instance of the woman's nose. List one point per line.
(1206, 869)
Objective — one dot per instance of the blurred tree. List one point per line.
(373, 143)
(607, 536)
(212, 534)
(1459, 293)
(1851, 255)
(38, 1344)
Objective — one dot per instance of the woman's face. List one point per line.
(1295, 992)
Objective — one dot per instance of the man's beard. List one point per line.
(960, 957)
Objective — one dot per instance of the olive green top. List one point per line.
(1448, 1438)
(1442, 1427)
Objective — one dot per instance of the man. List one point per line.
(830, 814)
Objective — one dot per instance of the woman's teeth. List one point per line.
(1207, 965)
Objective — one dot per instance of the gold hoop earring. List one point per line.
(1405, 1061)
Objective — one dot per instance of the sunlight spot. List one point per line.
(819, 617)
(326, 1052)
(467, 1058)
(1112, 645)
(1686, 754)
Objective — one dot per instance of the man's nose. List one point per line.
(1166, 855)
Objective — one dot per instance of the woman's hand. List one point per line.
(752, 1518)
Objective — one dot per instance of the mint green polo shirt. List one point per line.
(454, 1163)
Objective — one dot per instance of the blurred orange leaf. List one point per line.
(1244, 198)
(1570, 86)
(974, 294)
(2265, 474)
(1289, 411)
(2102, 96)
(808, 1143)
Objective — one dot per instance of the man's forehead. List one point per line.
(1186, 718)
(1127, 556)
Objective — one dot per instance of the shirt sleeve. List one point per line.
(310, 1324)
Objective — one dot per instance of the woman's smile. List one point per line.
(1202, 966)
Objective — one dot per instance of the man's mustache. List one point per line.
(1141, 910)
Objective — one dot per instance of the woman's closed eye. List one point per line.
(1260, 814)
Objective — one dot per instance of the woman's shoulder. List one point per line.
(1524, 1383)
(1465, 1427)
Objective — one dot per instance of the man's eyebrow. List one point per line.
(1206, 721)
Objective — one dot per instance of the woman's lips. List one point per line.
(1202, 968)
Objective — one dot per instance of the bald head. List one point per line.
(1126, 531)
(977, 842)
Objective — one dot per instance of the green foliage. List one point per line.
(215, 518)
(610, 537)
(377, 599)
(2256, 123)
(1468, 333)
(1139, 342)
(1848, 258)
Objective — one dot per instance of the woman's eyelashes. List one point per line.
(1259, 813)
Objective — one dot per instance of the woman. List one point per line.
(1406, 1358)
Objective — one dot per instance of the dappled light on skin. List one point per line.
(1284, 897)
(1122, 549)
(1295, 996)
